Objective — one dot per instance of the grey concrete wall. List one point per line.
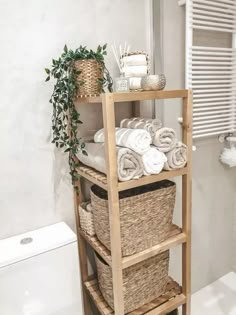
(35, 189)
(213, 184)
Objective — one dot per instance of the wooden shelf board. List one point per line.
(144, 180)
(167, 302)
(176, 237)
(93, 176)
(101, 180)
(97, 246)
(136, 96)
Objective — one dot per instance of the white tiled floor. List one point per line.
(218, 298)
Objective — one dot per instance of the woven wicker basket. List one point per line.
(143, 282)
(146, 214)
(91, 72)
(86, 218)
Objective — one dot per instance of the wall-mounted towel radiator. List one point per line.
(211, 71)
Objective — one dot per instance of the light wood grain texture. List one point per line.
(176, 237)
(97, 246)
(136, 96)
(101, 179)
(169, 306)
(93, 176)
(157, 249)
(82, 252)
(151, 179)
(113, 201)
(187, 204)
(170, 300)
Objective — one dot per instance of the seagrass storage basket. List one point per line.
(86, 218)
(146, 214)
(91, 71)
(142, 282)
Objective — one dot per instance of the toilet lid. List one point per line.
(24, 246)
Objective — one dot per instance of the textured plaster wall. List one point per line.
(34, 187)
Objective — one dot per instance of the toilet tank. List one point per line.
(39, 273)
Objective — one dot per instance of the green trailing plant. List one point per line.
(65, 117)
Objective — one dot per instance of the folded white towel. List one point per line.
(177, 157)
(165, 139)
(135, 60)
(138, 140)
(153, 161)
(129, 164)
(135, 71)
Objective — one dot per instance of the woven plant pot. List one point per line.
(86, 218)
(146, 214)
(142, 282)
(88, 80)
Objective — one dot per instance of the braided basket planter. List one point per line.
(91, 71)
(146, 214)
(142, 282)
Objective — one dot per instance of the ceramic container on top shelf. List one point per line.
(153, 82)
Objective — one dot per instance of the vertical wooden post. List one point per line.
(82, 253)
(113, 200)
(81, 243)
(187, 204)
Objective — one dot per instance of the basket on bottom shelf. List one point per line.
(142, 282)
(146, 214)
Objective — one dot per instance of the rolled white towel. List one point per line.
(129, 164)
(177, 157)
(151, 125)
(135, 71)
(138, 140)
(155, 122)
(153, 161)
(165, 139)
(135, 60)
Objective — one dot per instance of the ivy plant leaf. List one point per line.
(47, 70)
(65, 116)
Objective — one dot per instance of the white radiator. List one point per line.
(211, 71)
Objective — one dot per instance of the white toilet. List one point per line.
(39, 273)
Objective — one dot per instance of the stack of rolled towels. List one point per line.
(143, 147)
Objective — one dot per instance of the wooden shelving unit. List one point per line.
(175, 295)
